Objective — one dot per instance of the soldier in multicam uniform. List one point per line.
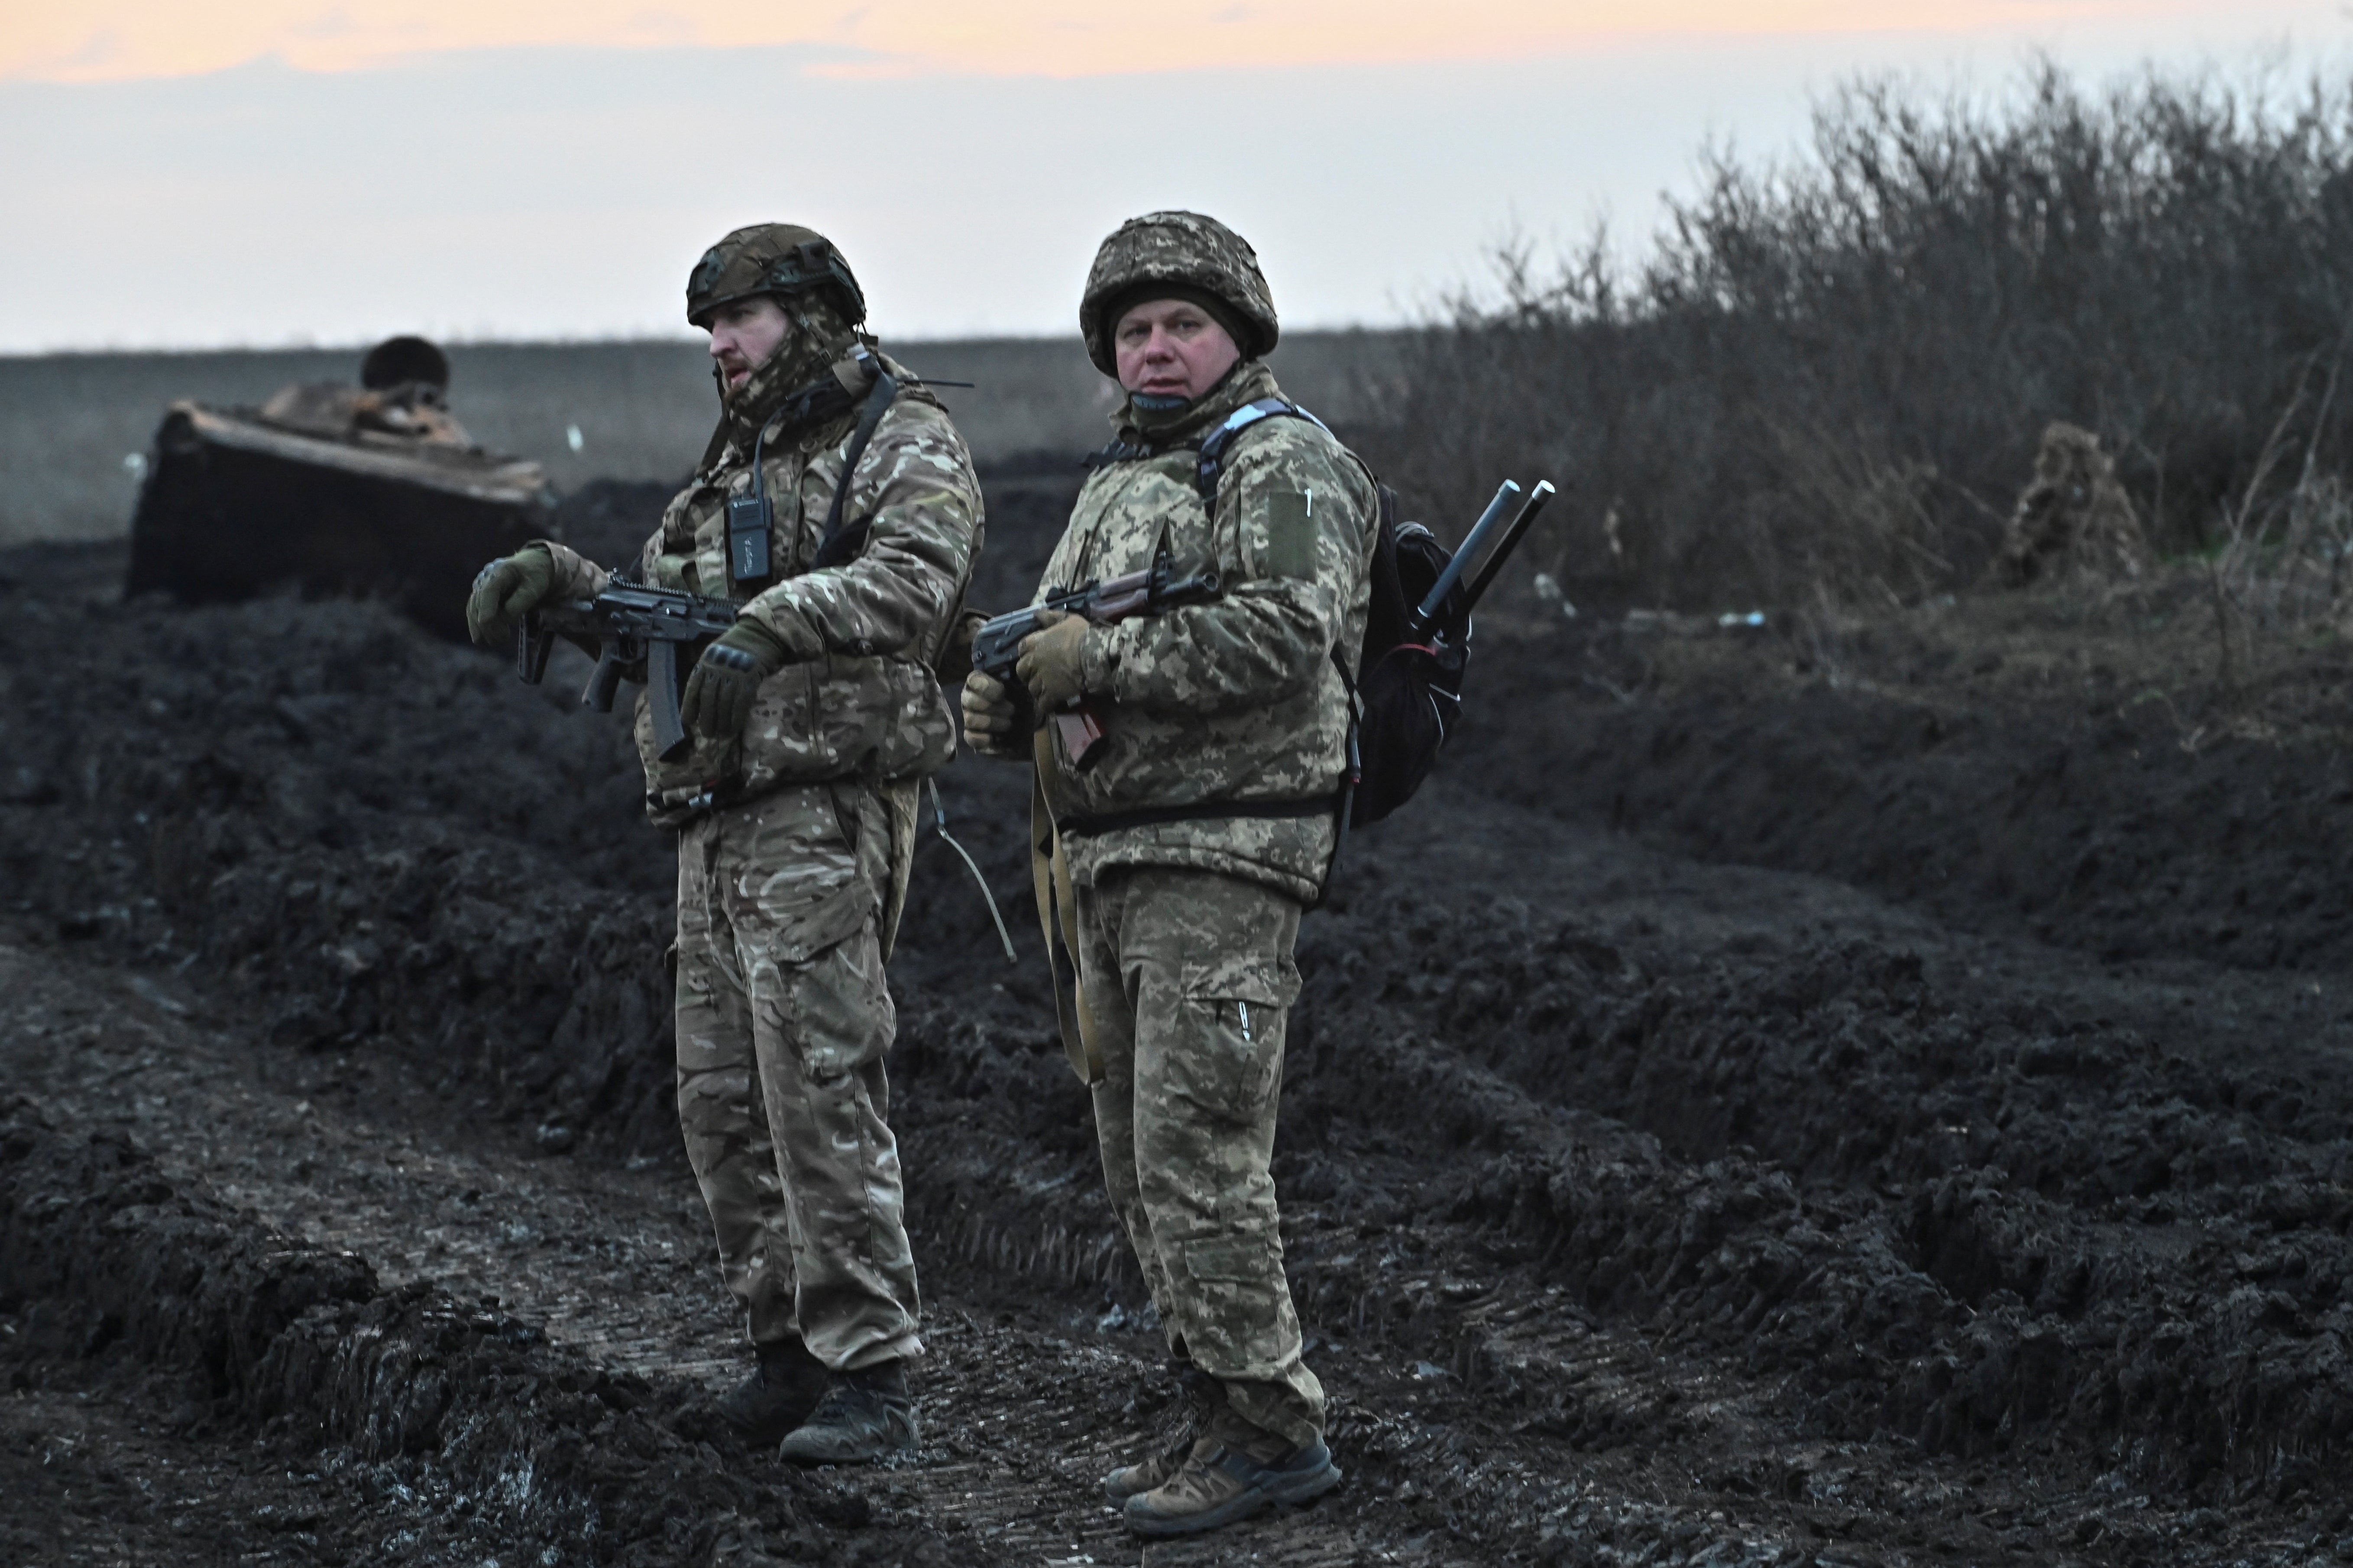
(1206, 826)
(813, 718)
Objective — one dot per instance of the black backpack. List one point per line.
(1405, 693)
(1408, 692)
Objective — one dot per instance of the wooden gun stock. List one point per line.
(1080, 732)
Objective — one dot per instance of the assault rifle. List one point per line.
(630, 622)
(996, 647)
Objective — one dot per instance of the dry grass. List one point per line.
(1831, 376)
(2280, 580)
(2251, 647)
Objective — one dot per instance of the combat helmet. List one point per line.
(772, 258)
(1176, 255)
(398, 361)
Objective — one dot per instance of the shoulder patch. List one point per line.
(1290, 533)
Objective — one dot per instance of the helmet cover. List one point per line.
(781, 258)
(1178, 255)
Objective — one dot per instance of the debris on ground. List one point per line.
(372, 492)
(2072, 517)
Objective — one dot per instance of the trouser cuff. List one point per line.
(905, 1347)
(1277, 1408)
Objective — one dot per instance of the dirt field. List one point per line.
(1857, 1094)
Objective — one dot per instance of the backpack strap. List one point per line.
(1211, 447)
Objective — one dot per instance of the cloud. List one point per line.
(96, 54)
(1005, 37)
(526, 192)
(327, 24)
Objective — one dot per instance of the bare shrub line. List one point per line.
(1824, 366)
(2281, 568)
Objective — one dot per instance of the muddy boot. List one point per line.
(777, 1396)
(1234, 1471)
(864, 1414)
(1199, 1396)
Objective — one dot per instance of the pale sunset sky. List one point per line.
(266, 172)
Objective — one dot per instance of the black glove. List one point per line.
(719, 693)
(507, 590)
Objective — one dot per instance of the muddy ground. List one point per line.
(1865, 1091)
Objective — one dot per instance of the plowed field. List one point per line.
(1766, 1103)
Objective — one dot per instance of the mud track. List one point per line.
(1644, 1207)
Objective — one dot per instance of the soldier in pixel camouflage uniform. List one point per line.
(1208, 825)
(813, 720)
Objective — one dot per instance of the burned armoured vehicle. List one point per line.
(372, 490)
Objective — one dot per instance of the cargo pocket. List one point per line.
(797, 877)
(1236, 1007)
(838, 1015)
(1237, 1313)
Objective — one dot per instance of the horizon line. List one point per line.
(630, 340)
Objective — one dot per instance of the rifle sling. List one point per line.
(841, 539)
(1058, 916)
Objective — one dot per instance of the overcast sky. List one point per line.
(267, 171)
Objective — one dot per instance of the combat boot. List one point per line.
(1234, 1471)
(777, 1396)
(1199, 1396)
(864, 1414)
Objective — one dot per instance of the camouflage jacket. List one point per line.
(859, 699)
(1237, 701)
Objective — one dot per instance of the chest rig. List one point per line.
(752, 519)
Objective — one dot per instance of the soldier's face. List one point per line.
(745, 333)
(1171, 348)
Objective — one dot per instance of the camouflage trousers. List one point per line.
(783, 1020)
(1189, 976)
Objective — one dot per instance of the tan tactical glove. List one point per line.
(992, 722)
(718, 698)
(1053, 659)
(507, 590)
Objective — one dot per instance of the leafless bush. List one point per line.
(1831, 376)
(2281, 571)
